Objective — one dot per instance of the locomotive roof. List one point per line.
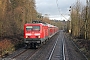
(35, 21)
(49, 25)
(40, 22)
(35, 24)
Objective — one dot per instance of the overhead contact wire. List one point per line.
(59, 10)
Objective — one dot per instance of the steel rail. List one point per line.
(34, 53)
(63, 42)
(53, 49)
(19, 54)
(79, 50)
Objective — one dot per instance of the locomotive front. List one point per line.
(32, 35)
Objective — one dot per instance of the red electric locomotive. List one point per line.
(37, 33)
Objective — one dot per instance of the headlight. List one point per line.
(38, 36)
(26, 36)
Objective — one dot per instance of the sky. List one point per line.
(56, 9)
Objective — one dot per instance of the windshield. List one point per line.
(30, 28)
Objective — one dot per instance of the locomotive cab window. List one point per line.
(30, 28)
(36, 27)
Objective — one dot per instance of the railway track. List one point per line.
(18, 54)
(54, 49)
(26, 54)
(72, 50)
(23, 54)
(15, 54)
(32, 54)
(60, 56)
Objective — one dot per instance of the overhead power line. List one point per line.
(59, 10)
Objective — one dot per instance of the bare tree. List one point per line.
(76, 19)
